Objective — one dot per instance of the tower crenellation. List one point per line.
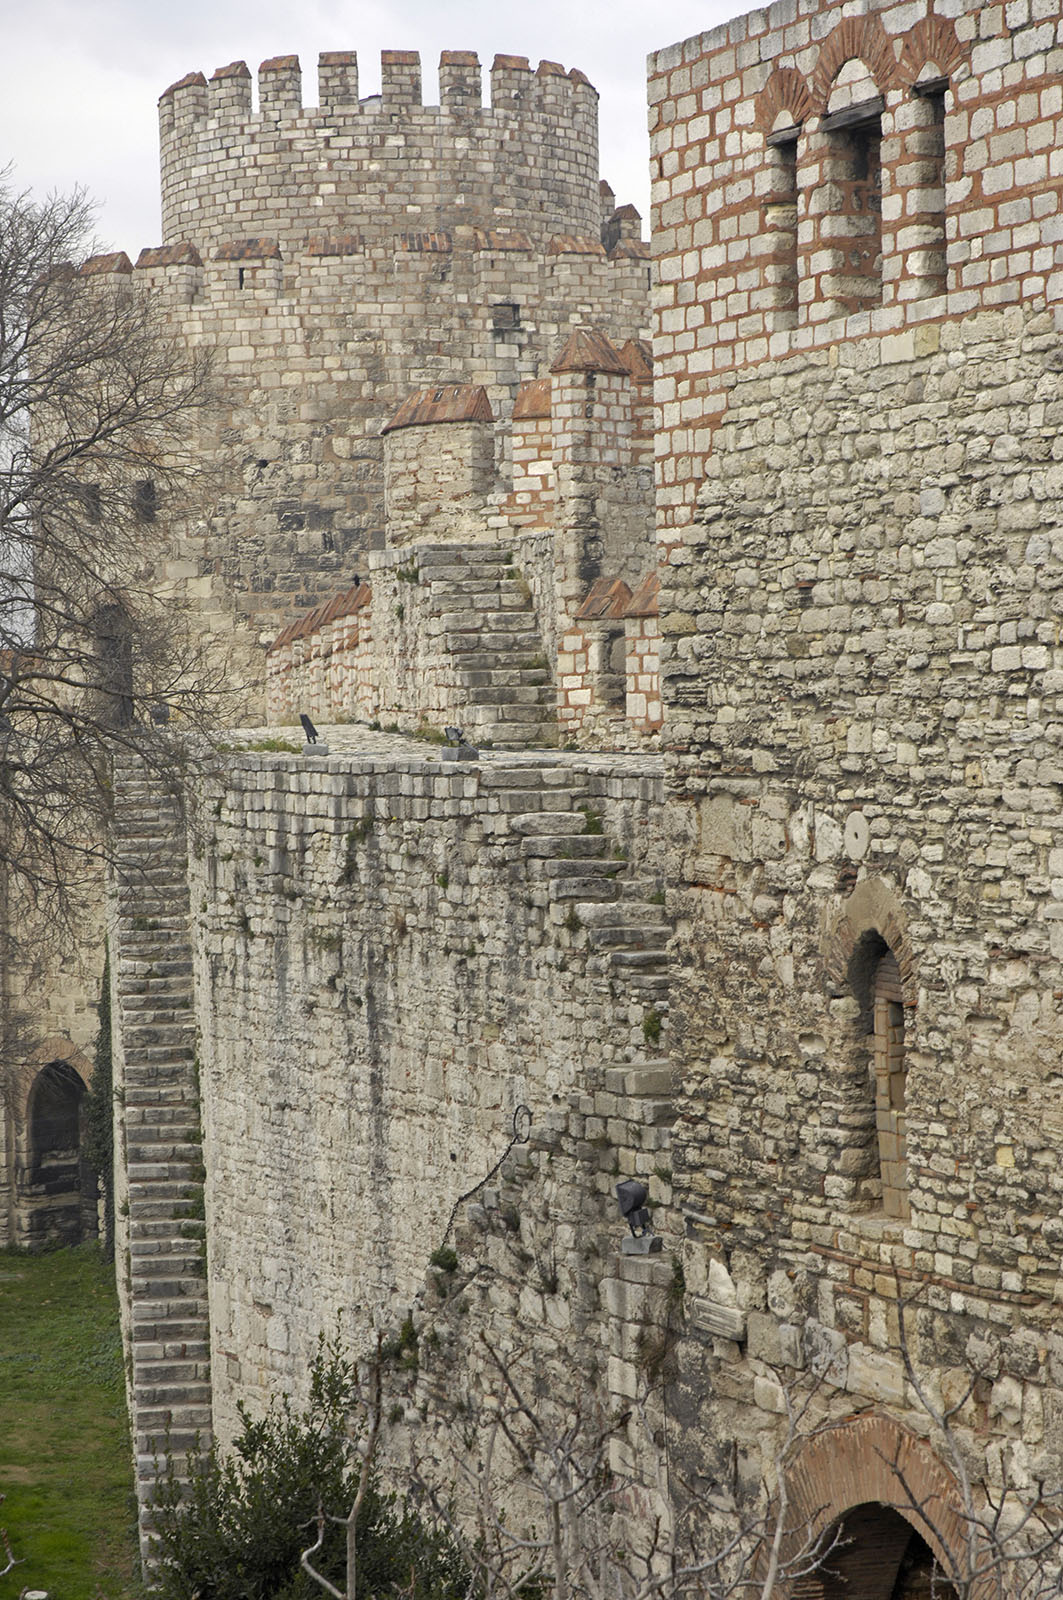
(529, 159)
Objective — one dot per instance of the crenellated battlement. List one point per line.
(528, 159)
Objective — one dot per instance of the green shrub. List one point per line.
(236, 1529)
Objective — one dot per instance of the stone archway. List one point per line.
(894, 1505)
(55, 1188)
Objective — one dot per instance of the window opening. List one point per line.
(852, 228)
(145, 501)
(878, 1553)
(922, 239)
(505, 316)
(54, 1129)
(780, 227)
(890, 1084)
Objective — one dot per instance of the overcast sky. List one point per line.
(83, 77)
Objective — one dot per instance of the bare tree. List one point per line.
(369, 1399)
(536, 1505)
(98, 424)
(1012, 1534)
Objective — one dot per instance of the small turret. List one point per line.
(439, 464)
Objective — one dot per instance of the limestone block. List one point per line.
(875, 1374)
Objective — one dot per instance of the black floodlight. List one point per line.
(631, 1196)
(308, 728)
(455, 735)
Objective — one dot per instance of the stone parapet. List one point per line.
(530, 159)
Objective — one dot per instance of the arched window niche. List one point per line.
(851, 227)
(875, 979)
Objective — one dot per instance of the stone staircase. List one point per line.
(169, 1335)
(607, 913)
(586, 886)
(491, 636)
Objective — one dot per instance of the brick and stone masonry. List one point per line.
(857, 227)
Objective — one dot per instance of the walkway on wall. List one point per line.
(161, 1144)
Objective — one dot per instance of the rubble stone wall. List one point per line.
(391, 954)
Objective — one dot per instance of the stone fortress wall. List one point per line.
(336, 983)
(384, 165)
(852, 989)
(520, 609)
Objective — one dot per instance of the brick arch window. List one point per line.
(890, 1070)
(852, 169)
(782, 107)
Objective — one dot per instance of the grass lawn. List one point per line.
(65, 1465)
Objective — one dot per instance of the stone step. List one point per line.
(171, 1354)
(177, 1093)
(172, 1323)
(653, 988)
(630, 960)
(159, 1391)
(515, 660)
(159, 1120)
(181, 1284)
(537, 695)
(151, 1154)
(507, 676)
(653, 939)
(156, 1172)
(624, 914)
(164, 1232)
(479, 594)
(481, 712)
(580, 888)
(465, 619)
(550, 823)
(498, 641)
(559, 867)
(452, 568)
(563, 846)
(150, 1057)
(159, 1422)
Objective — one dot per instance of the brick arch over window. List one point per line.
(786, 90)
(874, 1461)
(860, 38)
(933, 39)
(873, 907)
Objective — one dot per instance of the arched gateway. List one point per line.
(56, 1189)
(894, 1507)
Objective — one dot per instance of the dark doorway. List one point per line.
(58, 1188)
(880, 1556)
